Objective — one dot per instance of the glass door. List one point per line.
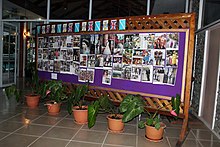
(9, 54)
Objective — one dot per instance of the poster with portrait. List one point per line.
(147, 74)
(85, 45)
(107, 76)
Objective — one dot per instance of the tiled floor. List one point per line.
(24, 127)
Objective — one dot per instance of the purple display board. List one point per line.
(157, 89)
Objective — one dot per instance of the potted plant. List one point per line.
(76, 105)
(13, 91)
(134, 105)
(104, 104)
(56, 93)
(38, 91)
(32, 98)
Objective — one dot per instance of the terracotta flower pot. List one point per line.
(115, 125)
(53, 107)
(80, 116)
(152, 134)
(32, 100)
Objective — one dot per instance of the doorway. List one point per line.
(211, 78)
(8, 55)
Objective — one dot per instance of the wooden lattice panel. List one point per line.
(117, 96)
(158, 22)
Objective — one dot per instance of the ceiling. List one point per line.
(79, 9)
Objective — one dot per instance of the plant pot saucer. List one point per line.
(154, 140)
(113, 131)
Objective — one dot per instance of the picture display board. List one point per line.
(147, 55)
(141, 61)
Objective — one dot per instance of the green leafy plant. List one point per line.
(104, 105)
(13, 91)
(76, 97)
(55, 91)
(134, 105)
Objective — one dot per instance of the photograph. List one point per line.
(171, 57)
(159, 57)
(54, 41)
(107, 60)
(147, 74)
(76, 41)
(136, 73)
(126, 72)
(158, 75)
(83, 60)
(172, 41)
(107, 76)
(57, 65)
(90, 74)
(170, 76)
(82, 76)
(107, 45)
(127, 56)
(148, 57)
(75, 68)
(160, 41)
(116, 74)
(137, 60)
(128, 41)
(143, 40)
(40, 65)
(76, 55)
(91, 60)
(99, 62)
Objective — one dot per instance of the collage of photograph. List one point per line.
(142, 57)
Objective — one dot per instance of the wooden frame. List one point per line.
(155, 23)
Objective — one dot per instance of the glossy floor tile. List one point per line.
(24, 127)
